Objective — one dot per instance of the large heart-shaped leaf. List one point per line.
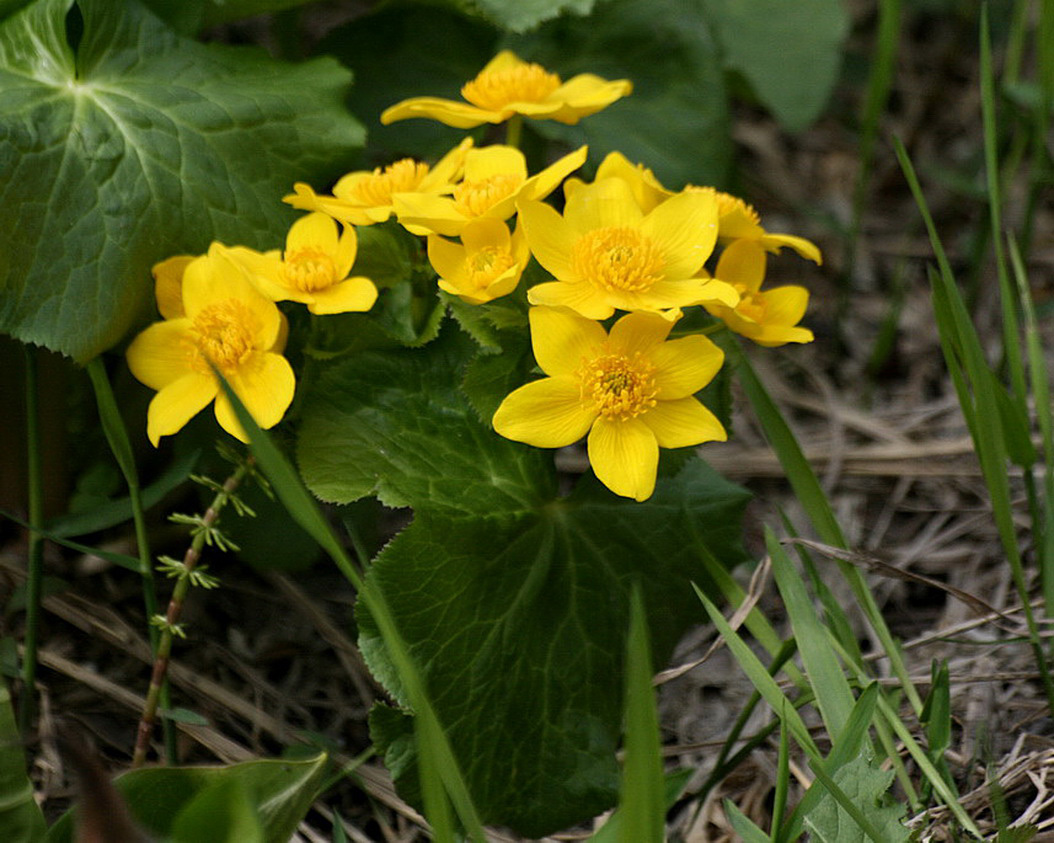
(138, 145)
(513, 599)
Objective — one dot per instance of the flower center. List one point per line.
(728, 204)
(309, 269)
(617, 259)
(475, 198)
(496, 89)
(377, 188)
(620, 387)
(223, 334)
(487, 264)
(751, 305)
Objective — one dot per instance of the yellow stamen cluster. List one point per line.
(620, 387)
(404, 176)
(495, 89)
(751, 305)
(309, 270)
(487, 264)
(475, 198)
(617, 259)
(222, 334)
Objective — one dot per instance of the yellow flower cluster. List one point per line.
(220, 314)
(622, 243)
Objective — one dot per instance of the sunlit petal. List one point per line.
(624, 456)
(159, 355)
(352, 294)
(562, 340)
(177, 403)
(582, 298)
(678, 424)
(265, 387)
(685, 365)
(548, 413)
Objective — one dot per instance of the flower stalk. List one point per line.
(187, 573)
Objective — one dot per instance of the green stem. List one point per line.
(35, 484)
(513, 131)
(175, 608)
(121, 448)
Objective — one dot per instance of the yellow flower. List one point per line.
(631, 391)
(365, 197)
(313, 269)
(486, 265)
(605, 253)
(508, 85)
(739, 221)
(225, 322)
(495, 180)
(767, 317)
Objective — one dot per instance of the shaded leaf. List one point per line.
(791, 53)
(20, 816)
(134, 149)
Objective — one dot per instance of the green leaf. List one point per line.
(865, 785)
(745, 827)
(20, 817)
(134, 149)
(221, 813)
(524, 14)
(790, 53)
(519, 623)
(676, 120)
(280, 792)
(395, 424)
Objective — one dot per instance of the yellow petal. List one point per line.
(785, 305)
(771, 336)
(549, 237)
(168, 285)
(647, 189)
(545, 182)
(587, 94)
(351, 294)
(715, 292)
(639, 333)
(265, 385)
(158, 356)
(581, 297)
(678, 424)
(496, 160)
(685, 227)
(608, 202)
(624, 456)
(460, 115)
(177, 404)
(447, 258)
(429, 212)
(313, 231)
(663, 295)
(806, 248)
(742, 262)
(547, 414)
(684, 366)
(484, 232)
(563, 340)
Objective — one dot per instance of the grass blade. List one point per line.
(642, 803)
(822, 668)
